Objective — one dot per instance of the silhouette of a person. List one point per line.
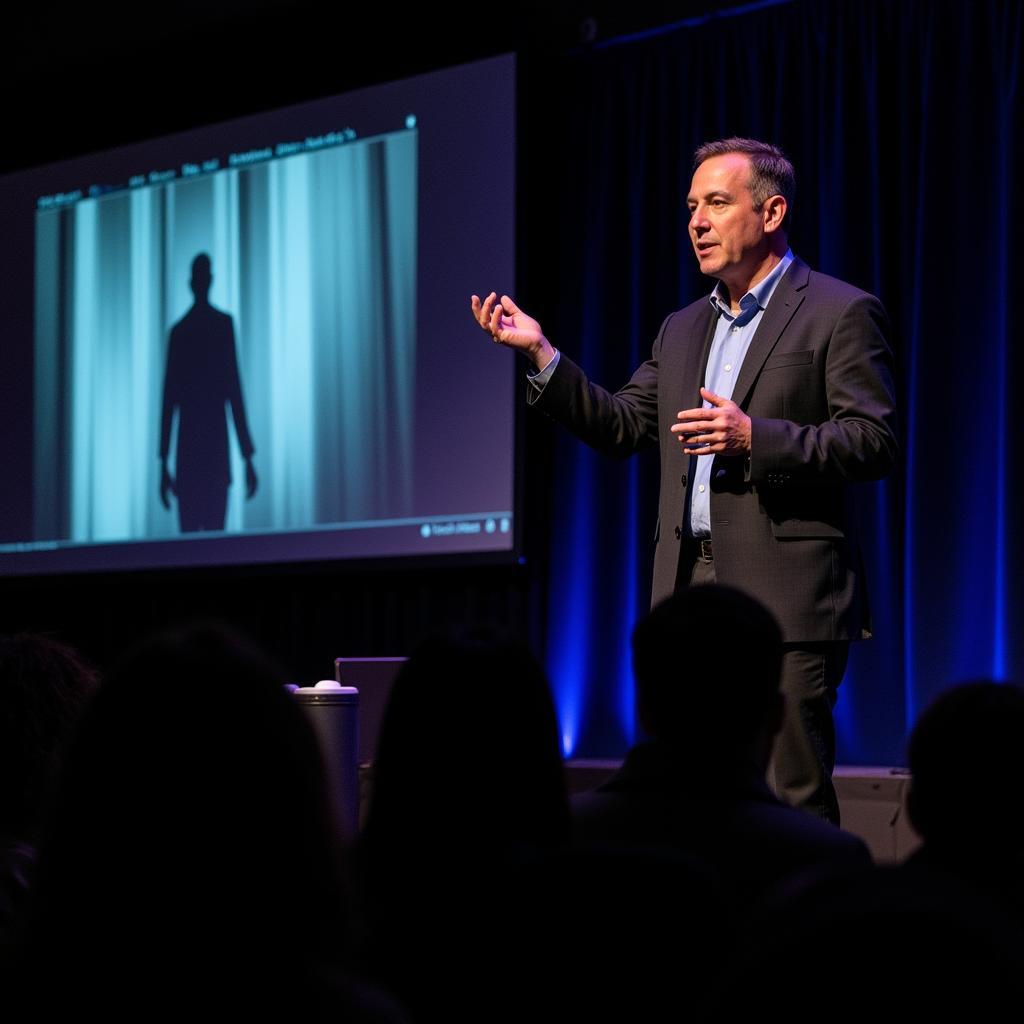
(201, 376)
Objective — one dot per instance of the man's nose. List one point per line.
(698, 222)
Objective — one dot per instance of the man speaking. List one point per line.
(766, 399)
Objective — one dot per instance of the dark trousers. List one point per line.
(804, 755)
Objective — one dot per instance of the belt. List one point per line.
(700, 547)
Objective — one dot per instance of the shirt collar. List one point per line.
(758, 296)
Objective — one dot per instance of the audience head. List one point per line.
(469, 748)
(467, 793)
(194, 801)
(44, 685)
(703, 657)
(967, 772)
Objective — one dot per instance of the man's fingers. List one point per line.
(710, 396)
(702, 449)
(495, 324)
(482, 309)
(487, 311)
(507, 323)
(696, 427)
(704, 436)
(697, 414)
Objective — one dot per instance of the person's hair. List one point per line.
(474, 706)
(966, 771)
(194, 797)
(44, 684)
(771, 172)
(705, 657)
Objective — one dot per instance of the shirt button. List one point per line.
(735, 329)
(701, 488)
(728, 367)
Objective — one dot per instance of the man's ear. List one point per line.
(774, 212)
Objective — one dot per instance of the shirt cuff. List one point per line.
(541, 377)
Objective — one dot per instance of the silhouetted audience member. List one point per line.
(967, 781)
(620, 933)
(476, 699)
(691, 787)
(43, 686)
(940, 937)
(467, 798)
(877, 945)
(192, 859)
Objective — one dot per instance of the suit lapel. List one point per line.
(683, 360)
(695, 364)
(788, 295)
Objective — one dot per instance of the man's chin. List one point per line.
(709, 265)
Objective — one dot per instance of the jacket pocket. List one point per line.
(779, 359)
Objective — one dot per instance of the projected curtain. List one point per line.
(312, 257)
(904, 121)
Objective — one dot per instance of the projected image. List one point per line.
(246, 343)
(233, 352)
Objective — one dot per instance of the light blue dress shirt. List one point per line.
(733, 335)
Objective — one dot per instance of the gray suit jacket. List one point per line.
(817, 383)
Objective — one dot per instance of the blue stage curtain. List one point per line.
(904, 122)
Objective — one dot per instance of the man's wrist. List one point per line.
(542, 355)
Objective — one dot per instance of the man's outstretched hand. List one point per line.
(508, 325)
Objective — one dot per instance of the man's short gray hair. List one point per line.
(771, 173)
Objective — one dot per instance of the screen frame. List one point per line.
(91, 556)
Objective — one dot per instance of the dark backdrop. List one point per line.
(904, 121)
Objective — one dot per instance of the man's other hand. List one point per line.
(724, 429)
